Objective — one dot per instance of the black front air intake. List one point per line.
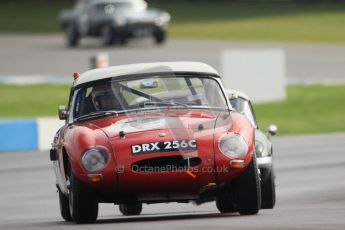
(165, 164)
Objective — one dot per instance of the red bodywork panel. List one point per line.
(205, 126)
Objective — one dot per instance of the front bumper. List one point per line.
(265, 165)
(136, 29)
(264, 162)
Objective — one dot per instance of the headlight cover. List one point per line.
(233, 145)
(94, 159)
(259, 148)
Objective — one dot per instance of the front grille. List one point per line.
(165, 164)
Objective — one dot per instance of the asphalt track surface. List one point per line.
(47, 55)
(310, 174)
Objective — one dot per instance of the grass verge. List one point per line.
(292, 22)
(284, 21)
(32, 100)
(308, 109)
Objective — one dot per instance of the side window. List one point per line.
(84, 104)
(70, 102)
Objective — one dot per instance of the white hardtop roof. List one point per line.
(144, 68)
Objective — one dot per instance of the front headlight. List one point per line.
(259, 148)
(94, 159)
(233, 145)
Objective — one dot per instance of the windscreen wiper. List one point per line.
(95, 115)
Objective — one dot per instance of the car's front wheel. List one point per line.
(268, 191)
(247, 190)
(160, 36)
(225, 200)
(82, 202)
(131, 209)
(64, 207)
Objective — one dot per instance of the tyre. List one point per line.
(159, 36)
(131, 209)
(72, 36)
(107, 35)
(247, 190)
(268, 192)
(225, 200)
(82, 202)
(64, 207)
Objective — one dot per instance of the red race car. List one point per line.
(152, 133)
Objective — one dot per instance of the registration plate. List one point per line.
(164, 146)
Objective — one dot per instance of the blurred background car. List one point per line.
(113, 21)
(263, 147)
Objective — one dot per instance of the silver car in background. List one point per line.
(263, 147)
(114, 21)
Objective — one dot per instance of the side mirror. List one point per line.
(62, 112)
(272, 130)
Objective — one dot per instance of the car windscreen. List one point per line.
(150, 92)
(111, 7)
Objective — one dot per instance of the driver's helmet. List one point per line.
(103, 98)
